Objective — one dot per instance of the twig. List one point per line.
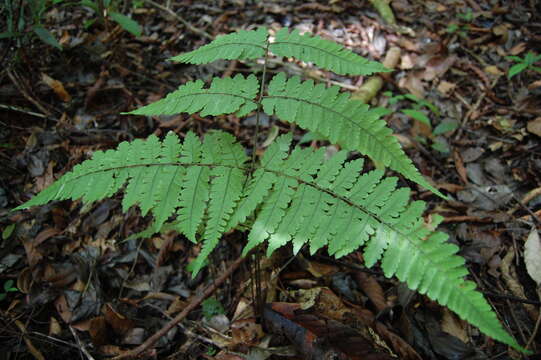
(537, 323)
(24, 111)
(191, 306)
(31, 348)
(26, 94)
(82, 347)
(184, 22)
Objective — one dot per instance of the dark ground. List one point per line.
(83, 293)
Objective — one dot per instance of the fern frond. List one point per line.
(301, 198)
(261, 181)
(195, 189)
(225, 96)
(226, 188)
(323, 53)
(333, 200)
(348, 123)
(241, 45)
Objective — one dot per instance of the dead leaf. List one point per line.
(460, 169)
(446, 87)
(45, 234)
(118, 322)
(318, 337)
(98, 331)
(534, 126)
(532, 255)
(437, 66)
(493, 70)
(454, 326)
(372, 289)
(510, 277)
(57, 87)
(247, 332)
(412, 82)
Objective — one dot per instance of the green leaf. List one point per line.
(242, 45)
(225, 96)
(348, 123)
(451, 28)
(8, 231)
(8, 286)
(445, 126)
(324, 53)
(417, 115)
(515, 58)
(90, 4)
(212, 307)
(441, 147)
(46, 36)
(6, 35)
(127, 23)
(516, 69)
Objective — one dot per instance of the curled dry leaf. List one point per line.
(532, 252)
(57, 87)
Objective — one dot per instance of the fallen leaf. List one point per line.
(57, 87)
(446, 87)
(454, 326)
(534, 126)
(532, 252)
(246, 331)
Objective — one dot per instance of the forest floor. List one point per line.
(71, 286)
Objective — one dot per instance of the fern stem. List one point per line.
(259, 106)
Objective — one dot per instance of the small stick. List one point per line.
(177, 319)
(12, 76)
(184, 22)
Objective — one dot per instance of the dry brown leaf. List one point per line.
(99, 333)
(54, 326)
(454, 326)
(246, 332)
(509, 275)
(446, 87)
(57, 87)
(534, 126)
(460, 169)
(532, 255)
(413, 84)
(370, 286)
(437, 66)
(118, 322)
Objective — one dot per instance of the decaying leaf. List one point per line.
(532, 255)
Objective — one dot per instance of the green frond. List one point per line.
(323, 53)
(241, 45)
(225, 190)
(224, 96)
(430, 265)
(331, 200)
(261, 181)
(348, 123)
(195, 189)
(301, 199)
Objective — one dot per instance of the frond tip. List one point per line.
(323, 53)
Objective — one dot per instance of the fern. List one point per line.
(290, 196)
(346, 122)
(301, 199)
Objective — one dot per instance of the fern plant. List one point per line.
(203, 189)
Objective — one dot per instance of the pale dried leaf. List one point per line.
(532, 255)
